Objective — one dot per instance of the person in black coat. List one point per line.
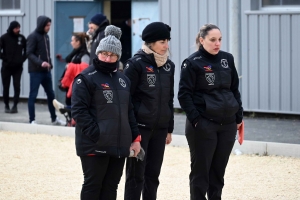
(97, 25)
(209, 95)
(39, 68)
(106, 129)
(13, 55)
(151, 73)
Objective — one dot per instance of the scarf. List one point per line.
(105, 67)
(159, 59)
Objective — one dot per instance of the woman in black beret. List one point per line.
(151, 73)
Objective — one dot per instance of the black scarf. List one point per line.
(79, 52)
(105, 67)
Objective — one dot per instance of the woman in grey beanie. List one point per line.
(106, 129)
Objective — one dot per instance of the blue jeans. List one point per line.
(37, 79)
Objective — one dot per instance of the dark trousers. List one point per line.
(210, 147)
(37, 79)
(102, 175)
(6, 74)
(142, 176)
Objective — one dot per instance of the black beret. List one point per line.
(156, 31)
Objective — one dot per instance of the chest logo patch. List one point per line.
(127, 66)
(151, 78)
(208, 68)
(105, 86)
(210, 77)
(122, 82)
(167, 67)
(150, 69)
(224, 63)
(109, 95)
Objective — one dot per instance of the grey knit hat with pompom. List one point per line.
(111, 41)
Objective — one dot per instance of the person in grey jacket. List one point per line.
(39, 68)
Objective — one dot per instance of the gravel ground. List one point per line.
(37, 166)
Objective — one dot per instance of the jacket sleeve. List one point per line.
(235, 90)
(81, 98)
(2, 49)
(131, 71)
(187, 84)
(171, 102)
(30, 50)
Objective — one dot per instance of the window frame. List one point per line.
(278, 7)
(12, 12)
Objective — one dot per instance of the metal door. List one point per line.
(142, 14)
(69, 17)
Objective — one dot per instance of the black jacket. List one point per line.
(102, 109)
(12, 50)
(208, 88)
(38, 47)
(152, 90)
(99, 35)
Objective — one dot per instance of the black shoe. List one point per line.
(14, 109)
(7, 110)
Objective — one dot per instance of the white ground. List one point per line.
(36, 166)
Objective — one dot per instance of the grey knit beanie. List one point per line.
(111, 42)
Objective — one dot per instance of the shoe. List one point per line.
(58, 122)
(57, 105)
(7, 109)
(33, 122)
(14, 109)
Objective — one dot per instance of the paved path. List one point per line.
(267, 129)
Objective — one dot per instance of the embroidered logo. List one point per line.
(78, 81)
(108, 94)
(210, 77)
(105, 86)
(151, 78)
(127, 66)
(91, 73)
(197, 58)
(224, 63)
(167, 67)
(122, 82)
(208, 68)
(150, 69)
(19, 40)
(184, 65)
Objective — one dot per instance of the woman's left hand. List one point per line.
(136, 146)
(169, 138)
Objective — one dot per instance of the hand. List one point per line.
(136, 146)
(238, 126)
(45, 64)
(169, 138)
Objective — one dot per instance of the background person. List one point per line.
(39, 68)
(106, 129)
(209, 95)
(152, 88)
(97, 26)
(13, 55)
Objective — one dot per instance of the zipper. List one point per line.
(47, 52)
(119, 132)
(224, 111)
(159, 104)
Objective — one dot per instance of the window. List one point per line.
(10, 4)
(280, 2)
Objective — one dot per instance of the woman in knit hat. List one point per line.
(151, 73)
(106, 129)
